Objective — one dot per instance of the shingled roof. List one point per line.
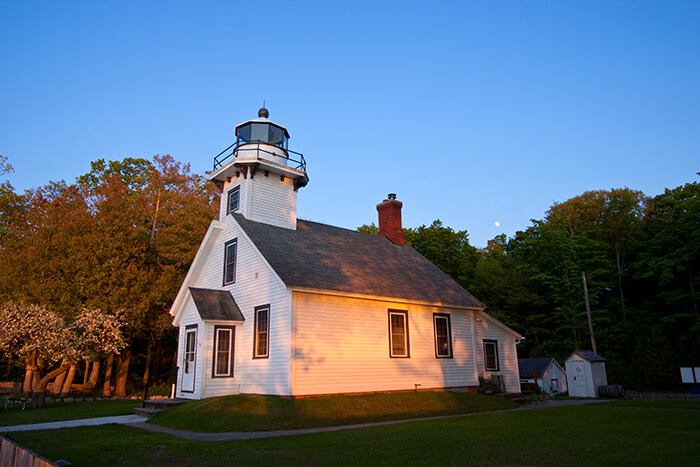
(319, 256)
(216, 305)
(533, 366)
(589, 355)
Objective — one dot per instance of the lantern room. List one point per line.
(262, 130)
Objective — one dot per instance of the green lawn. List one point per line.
(262, 413)
(598, 434)
(67, 411)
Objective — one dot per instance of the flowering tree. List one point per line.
(48, 346)
(98, 334)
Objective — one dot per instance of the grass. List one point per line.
(597, 434)
(67, 411)
(261, 413)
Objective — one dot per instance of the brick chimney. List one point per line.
(390, 219)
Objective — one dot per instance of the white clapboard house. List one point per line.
(277, 305)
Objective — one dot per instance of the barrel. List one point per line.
(612, 391)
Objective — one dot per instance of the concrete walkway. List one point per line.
(138, 421)
(122, 419)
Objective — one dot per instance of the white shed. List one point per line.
(585, 373)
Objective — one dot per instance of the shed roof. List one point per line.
(216, 305)
(533, 366)
(589, 355)
(319, 256)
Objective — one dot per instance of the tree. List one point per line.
(370, 229)
(10, 202)
(446, 248)
(502, 284)
(120, 239)
(150, 219)
(671, 263)
(49, 345)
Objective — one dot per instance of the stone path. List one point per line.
(122, 419)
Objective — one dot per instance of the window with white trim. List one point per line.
(234, 199)
(443, 335)
(223, 351)
(261, 346)
(398, 334)
(230, 249)
(491, 355)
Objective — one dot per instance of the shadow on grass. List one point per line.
(264, 413)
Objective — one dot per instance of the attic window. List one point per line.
(398, 334)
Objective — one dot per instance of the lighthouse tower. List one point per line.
(258, 175)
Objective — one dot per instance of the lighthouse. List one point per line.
(280, 306)
(258, 175)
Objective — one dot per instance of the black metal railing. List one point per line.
(292, 157)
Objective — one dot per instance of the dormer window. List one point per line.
(234, 199)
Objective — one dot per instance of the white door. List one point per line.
(189, 360)
(580, 388)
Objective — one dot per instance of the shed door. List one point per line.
(580, 388)
(189, 360)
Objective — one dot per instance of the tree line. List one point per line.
(115, 245)
(641, 258)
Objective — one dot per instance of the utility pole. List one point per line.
(588, 312)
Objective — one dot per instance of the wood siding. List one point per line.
(190, 317)
(242, 199)
(507, 353)
(256, 284)
(264, 199)
(274, 201)
(342, 345)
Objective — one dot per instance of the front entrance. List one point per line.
(189, 359)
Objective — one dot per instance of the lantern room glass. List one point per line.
(262, 132)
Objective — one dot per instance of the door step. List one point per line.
(153, 406)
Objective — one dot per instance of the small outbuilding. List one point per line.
(585, 373)
(547, 373)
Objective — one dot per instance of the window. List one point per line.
(443, 338)
(234, 198)
(262, 332)
(230, 261)
(554, 386)
(223, 351)
(491, 355)
(398, 334)
(190, 342)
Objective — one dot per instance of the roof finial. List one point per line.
(263, 112)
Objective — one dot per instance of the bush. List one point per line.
(487, 386)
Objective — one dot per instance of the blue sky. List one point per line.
(472, 112)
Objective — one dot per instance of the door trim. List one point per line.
(192, 328)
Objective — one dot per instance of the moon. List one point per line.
(497, 224)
